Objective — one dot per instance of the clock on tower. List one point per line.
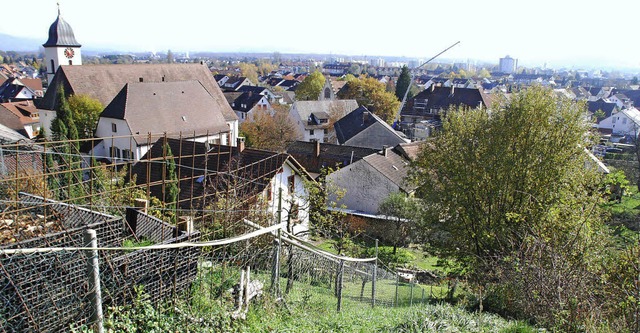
(69, 52)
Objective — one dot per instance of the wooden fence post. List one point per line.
(93, 274)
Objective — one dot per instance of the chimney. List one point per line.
(384, 150)
(317, 148)
(241, 144)
(365, 117)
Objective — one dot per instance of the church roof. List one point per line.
(104, 82)
(170, 107)
(61, 34)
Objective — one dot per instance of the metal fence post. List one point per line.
(411, 297)
(93, 272)
(397, 283)
(340, 280)
(373, 279)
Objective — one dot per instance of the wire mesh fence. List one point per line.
(195, 266)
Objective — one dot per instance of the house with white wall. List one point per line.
(104, 82)
(624, 122)
(256, 180)
(314, 119)
(141, 111)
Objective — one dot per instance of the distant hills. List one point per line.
(19, 44)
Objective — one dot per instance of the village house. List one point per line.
(317, 157)
(244, 104)
(622, 123)
(181, 109)
(22, 117)
(362, 128)
(369, 181)
(207, 173)
(314, 119)
(14, 89)
(431, 103)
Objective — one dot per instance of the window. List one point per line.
(613, 120)
(70, 62)
(326, 131)
(126, 154)
(294, 212)
(52, 70)
(624, 121)
(311, 132)
(291, 183)
(115, 152)
(114, 128)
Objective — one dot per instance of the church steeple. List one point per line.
(61, 48)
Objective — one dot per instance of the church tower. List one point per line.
(61, 48)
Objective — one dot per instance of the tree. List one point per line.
(170, 58)
(372, 94)
(171, 188)
(512, 203)
(269, 131)
(402, 211)
(311, 87)
(404, 81)
(484, 73)
(86, 112)
(391, 86)
(250, 71)
(63, 126)
(354, 69)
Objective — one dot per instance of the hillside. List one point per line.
(19, 44)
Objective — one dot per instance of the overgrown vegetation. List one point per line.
(509, 199)
(209, 313)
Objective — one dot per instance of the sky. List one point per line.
(559, 33)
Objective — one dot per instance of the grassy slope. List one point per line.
(313, 309)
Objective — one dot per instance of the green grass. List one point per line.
(416, 257)
(309, 307)
(313, 309)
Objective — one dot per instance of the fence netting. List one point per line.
(74, 251)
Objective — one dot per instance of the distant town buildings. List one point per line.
(508, 65)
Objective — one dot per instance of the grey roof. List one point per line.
(362, 128)
(392, 166)
(172, 107)
(7, 135)
(329, 155)
(104, 82)
(339, 108)
(444, 97)
(61, 34)
(604, 106)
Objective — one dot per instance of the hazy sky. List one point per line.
(556, 32)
